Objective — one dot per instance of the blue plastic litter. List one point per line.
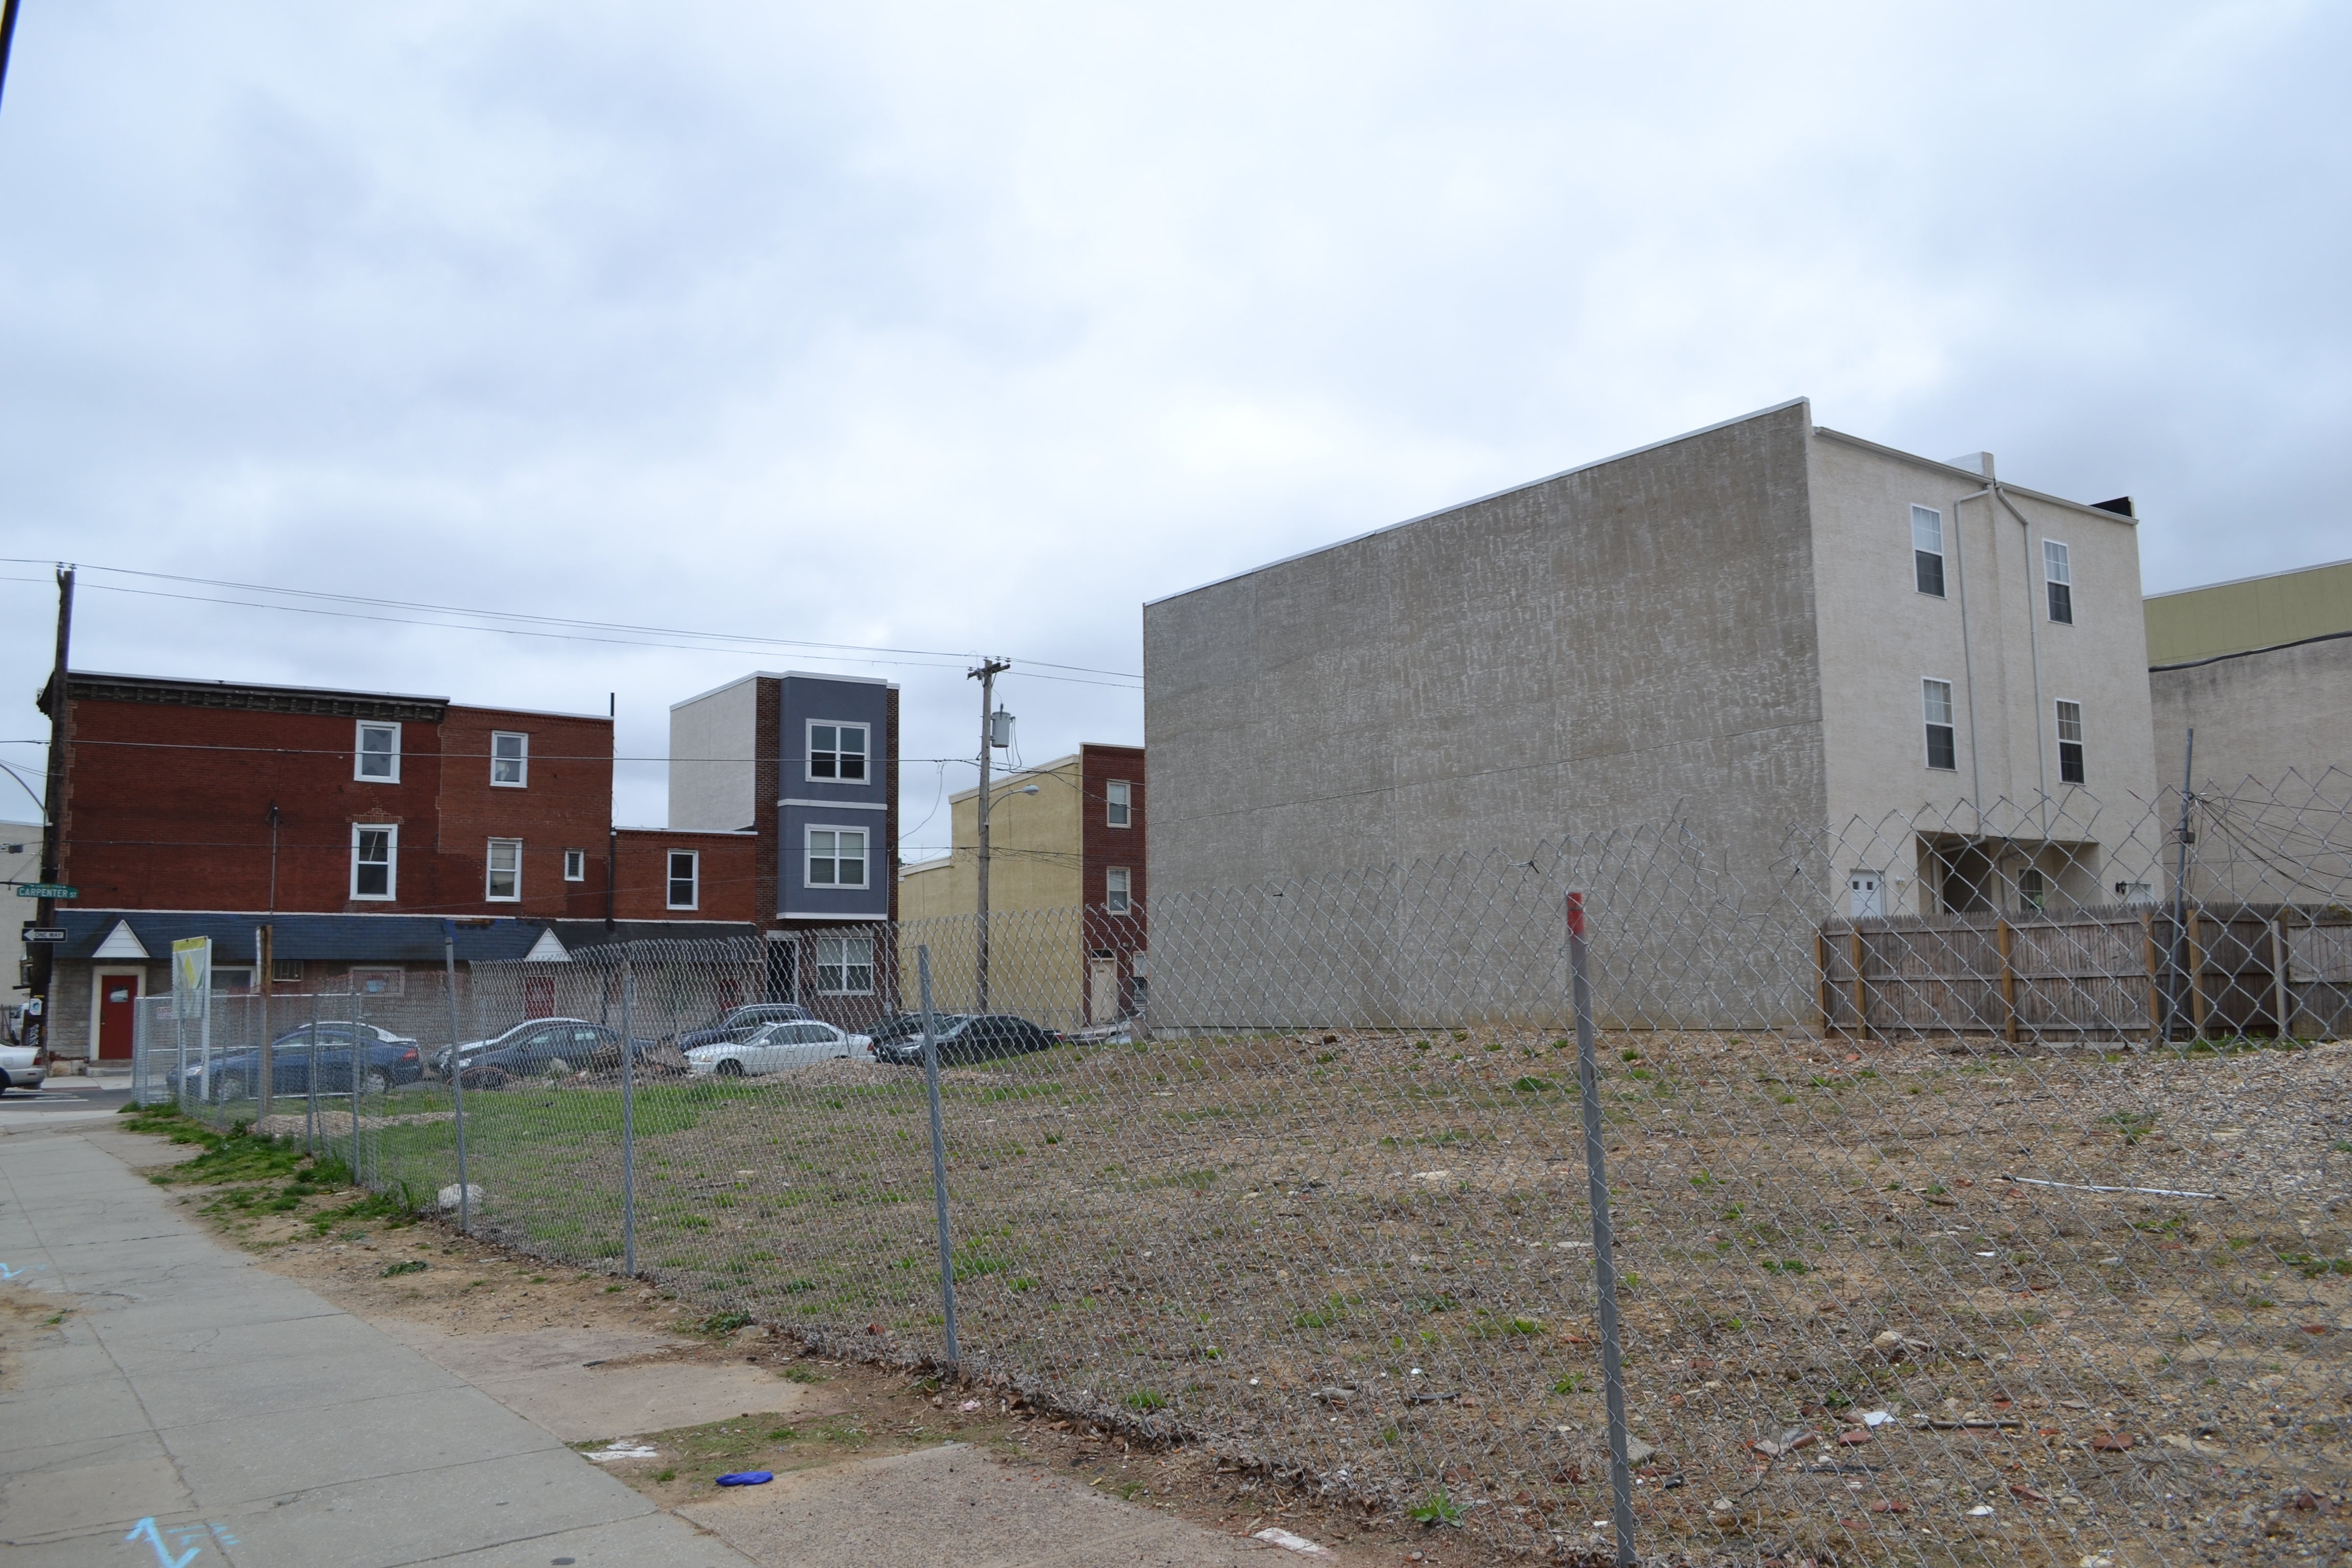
(748, 1479)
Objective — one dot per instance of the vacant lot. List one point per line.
(1367, 1258)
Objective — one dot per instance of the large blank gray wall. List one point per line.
(1591, 652)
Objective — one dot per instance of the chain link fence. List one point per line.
(1977, 1177)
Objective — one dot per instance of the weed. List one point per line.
(726, 1322)
(2312, 1267)
(661, 1475)
(413, 1265)
(1705, 1182)
(1146, 1400)
(1532, 1085)
(1572, 1384)
(802, 1375)
(1786, 1266)
(1436, 1508)
(1525, 1326)
(2134, 1125)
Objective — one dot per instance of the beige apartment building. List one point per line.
(1068, 881)
(1908, 676)
(2262, 669)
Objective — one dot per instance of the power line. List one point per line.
(529, 624)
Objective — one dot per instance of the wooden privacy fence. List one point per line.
(2115, 975)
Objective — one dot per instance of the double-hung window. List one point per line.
(2070, 742)
(509, 759)
(684, 879)
(575, 865)
(836, 752)
(1116, 887)
(379, 754)
(1935, 707)
(2058, 578)
(1118, 803)
(1927, 550)
(845, 965)
(2033, 890)
(836, 856)
(504, 883)
(375, 860)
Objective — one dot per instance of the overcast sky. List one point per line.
(971, 329)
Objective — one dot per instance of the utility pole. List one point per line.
(53, 792)
(986, 675)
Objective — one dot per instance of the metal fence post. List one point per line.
(456, 1073)
(180, 1050)
(938, 1155)
(358, 1015)
(310, 1084)
(1604, 1262)
(628, 1121)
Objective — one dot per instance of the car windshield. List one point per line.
(909, 1027)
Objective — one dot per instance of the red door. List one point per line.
(538, 997)
(118, 1016)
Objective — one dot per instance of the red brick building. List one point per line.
(251, 801)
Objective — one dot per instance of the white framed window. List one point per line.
(2058, 578)
(2070, 742)
(504, 883)
(2033, 890)
(2133, 893)
(836, 856)
(509, 759)
(1936, 709)
(1927, 550)
(684, 879)
(378, 754)
(1118, 802)
(836, 752)
(845, 965)
(375, 860)
(1115, 888)
(379, 982)
(575, 865)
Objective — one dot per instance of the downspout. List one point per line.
(2033, 641)
(1968, 658)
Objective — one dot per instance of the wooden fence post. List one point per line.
(2004, 936)
(2282, 1002)
(1822, 986)
(2154, 985)
(2197, 974)
(1860, 992)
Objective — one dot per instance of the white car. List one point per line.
(776, 1047)
(22, 1067)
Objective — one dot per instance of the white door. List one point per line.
(1102, 989)
(1866, 896)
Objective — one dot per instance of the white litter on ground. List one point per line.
(1277, 1536)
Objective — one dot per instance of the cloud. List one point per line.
(960, 329)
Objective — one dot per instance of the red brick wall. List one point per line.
(1101, 846)
(168, 807)
(730, 874)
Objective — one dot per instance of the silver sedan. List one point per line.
(777, 1047)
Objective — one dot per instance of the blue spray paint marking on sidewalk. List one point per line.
(8, 1273)
(145, 1530)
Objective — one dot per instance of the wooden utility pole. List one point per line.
(986, 675)
(53, 799)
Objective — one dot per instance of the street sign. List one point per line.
(46, 890)
(45, 934)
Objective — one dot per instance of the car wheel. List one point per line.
(6, 1083)
(376, 1082)
(731, 1067)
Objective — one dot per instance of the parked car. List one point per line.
(22, 1067)
(969, 1038)
(326, 1050)
(740, 1023)
(775, 1047)
(552, 1049)
(470, 1049)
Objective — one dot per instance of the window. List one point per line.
(504, 885)
(1927, 550)
(684, 879)
(379, 753)
(232, 982)
(2032, 893)
(375, 861)
(836, 752)
(1115, 890)
(1118, 803)
(1935, 704)
(575, 865)
(836, 856)
(2058, 575)
(509, 759)
(2133, 893)
(845, 965)
(2070, 742)
(379, 982)
(286, 972)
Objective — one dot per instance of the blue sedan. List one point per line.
(326, 1052)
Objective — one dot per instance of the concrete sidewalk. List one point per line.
(192, 1409)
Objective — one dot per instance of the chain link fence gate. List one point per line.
(2007, 1233)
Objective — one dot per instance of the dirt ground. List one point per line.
(427, 1285)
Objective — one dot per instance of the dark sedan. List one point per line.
(556, 1050)
(325, 1050)
(963, 1038)
(741, 1023)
